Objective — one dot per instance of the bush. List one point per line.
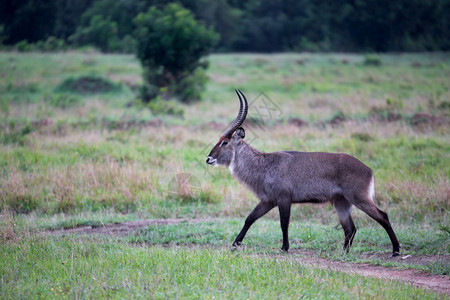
(128, 44)
(100, 33)
(3, 36)
(170, 45)
(23, 46)
(53, 44)
(372, 60)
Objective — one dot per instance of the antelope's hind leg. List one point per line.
(343, 209)
(369, 207)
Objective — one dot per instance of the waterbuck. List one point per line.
(285, 177)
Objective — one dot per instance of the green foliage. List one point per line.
(15, 134)
(27, 20)
(52, 44)
(23, 46)
(3, 36)
(100, 33)
(257, 25)
(128, 44)
(372, 60)
(170, 44)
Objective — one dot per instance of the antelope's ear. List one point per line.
(239, 133)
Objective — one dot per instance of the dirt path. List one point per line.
(438, 283)
(122, 229)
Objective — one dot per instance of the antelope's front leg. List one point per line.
(285, 214)
(260, 210)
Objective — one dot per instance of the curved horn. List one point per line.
(232, 127)
(244, 115)
(239, 118)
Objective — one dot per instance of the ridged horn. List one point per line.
(243, 109)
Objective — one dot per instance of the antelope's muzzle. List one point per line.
(211, 161)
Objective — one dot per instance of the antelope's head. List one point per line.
(223, 151)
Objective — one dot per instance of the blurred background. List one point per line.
(250, 26)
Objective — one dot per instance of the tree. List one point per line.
(100, 33)
(170, 45)
(30, 20)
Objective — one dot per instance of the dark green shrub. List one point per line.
(53, 44)
(3, 36)
(23, 46)
(100, 33)
(372, 60)
(128, 44)
(170, 45)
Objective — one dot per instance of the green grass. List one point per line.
(266, 234)
(324, 240)
(73, 268)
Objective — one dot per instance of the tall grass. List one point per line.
(133, 171)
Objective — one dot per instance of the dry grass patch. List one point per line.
(77, 187)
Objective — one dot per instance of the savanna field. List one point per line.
(78, 148)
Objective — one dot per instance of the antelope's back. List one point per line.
(319, 176)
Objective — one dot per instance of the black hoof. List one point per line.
(395, 254)
(235, 246)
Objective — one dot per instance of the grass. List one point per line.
(60, 268)
(69, 159)
(266, 234)
(92, 170)
(324, 240)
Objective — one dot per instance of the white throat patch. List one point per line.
(231, 166)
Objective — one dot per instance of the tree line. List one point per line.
(252, 26)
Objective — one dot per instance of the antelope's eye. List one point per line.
(224, 143)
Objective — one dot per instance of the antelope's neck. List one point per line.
(247, 164)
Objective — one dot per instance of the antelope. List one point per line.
(285, 177)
